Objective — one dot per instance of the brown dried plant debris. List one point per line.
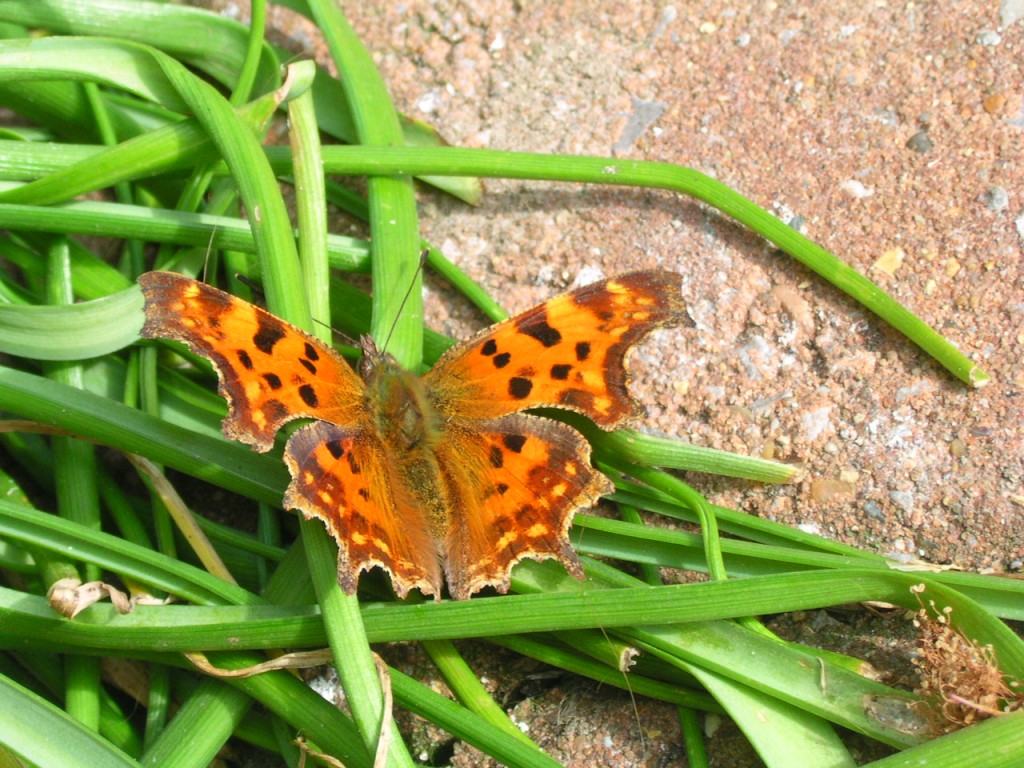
(960, 677)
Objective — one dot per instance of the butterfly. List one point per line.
(441, 477)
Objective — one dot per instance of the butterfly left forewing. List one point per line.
(270, 372)
(515, 484)
(568, 352)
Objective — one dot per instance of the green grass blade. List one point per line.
(164, 226)
(229, 465)
(98, 548)
(783, 736)
(115, 63)
(995, 743)
(597, 170)
(469, 690)
(253, 626)
(212, 43)
(466, 725)
(71, 331)
(200, 727)
(39, 732)
(394, 244)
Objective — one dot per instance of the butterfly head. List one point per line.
(372, 358)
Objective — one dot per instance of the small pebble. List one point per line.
(873, 511)
(903, 499)
(890, 261)
(993, 103)
(988, 37)
(854, 188)
(996, 198)
(920, 142)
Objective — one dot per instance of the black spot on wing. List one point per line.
(267, 335)
(519, 387)
(307, 365)
(538, 328)
(273, 380)
(500, 361)
(560, 372)
(244, 359)
(353, 465)
(489, 347)
(311, 352)
(308, 395)
(582, 350)
(335, 448)
(514, 443)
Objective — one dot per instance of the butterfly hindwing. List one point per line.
(342, 476)
(516, 483)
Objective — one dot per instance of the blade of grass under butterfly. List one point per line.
(349, 646)
(257, 626)
(394, 239)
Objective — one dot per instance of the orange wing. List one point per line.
(342, 476)
(270, 372)
(568, 352)
(514, 485)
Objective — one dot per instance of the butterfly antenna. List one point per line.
(408, 292)
(209, 253)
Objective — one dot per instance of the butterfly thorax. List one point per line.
(399, 406)
(406, 423)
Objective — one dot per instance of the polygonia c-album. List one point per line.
(443, 472)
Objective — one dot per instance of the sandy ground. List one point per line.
(889, 132)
